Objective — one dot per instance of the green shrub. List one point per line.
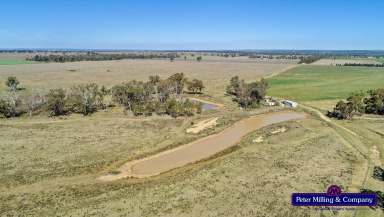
(85, 99)
(12, 83)
(10, 106)
(56, 102)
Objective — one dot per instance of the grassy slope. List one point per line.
(80, 145)
(311, 83)
(254, 180)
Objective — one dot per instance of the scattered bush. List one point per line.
(12, 83)
(378, 173)
(10, 105)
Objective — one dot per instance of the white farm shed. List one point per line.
(289, 103)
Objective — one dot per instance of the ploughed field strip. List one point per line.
(200, 149)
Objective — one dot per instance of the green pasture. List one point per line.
(310, 83)
(14, 62)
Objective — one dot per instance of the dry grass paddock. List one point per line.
(215, 75)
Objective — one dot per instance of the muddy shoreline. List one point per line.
(200, 149)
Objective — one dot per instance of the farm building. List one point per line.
(289, 103)
(270, 101)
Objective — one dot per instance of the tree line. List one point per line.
(362, 64)
(278, 57)
(309, 59)
(370, 102)
(247, 95)
(93, 56)
(160, 96)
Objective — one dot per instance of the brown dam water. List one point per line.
(200, 149)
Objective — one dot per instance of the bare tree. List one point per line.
(35, 101)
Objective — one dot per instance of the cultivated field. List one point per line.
(325, 83)
(13, 58)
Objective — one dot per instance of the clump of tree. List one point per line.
(374, 102)
(247, 95)
(199, 58)
(177, 81)
(86, 98)
(371, 102)
(133, 95)
(342, 110)
(357, 101)
(155, 96)
(195, 86)
(186, 107)
(11, 105)
(309, 59)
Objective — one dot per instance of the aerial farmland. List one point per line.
(140, 113)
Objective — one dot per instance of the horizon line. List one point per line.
(181, 50)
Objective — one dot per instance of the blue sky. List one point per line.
(193, 24)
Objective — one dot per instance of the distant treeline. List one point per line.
(362, 64)
(309, 59)
(159, 96)
(245, 52)
(287, 57)
(90, 56)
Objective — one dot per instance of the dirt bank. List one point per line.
(200, 149)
